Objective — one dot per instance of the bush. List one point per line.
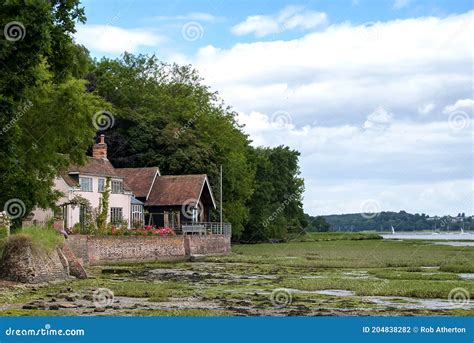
(3, 232)
(41, 238)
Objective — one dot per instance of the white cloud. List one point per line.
(412, 157)
(195, 16)
(398, 4)
(345, 71)
(418, 167)
(426, 109)
(379, 119)
(289, 18)
(115, 40)
(462, 104)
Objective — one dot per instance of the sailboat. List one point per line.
(462, 231)
(393, 230)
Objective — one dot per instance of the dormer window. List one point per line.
(86, 184)
(117, 186)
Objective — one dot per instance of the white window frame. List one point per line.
(113, 186)
(81, 184)
(116, 212)
(100, 183)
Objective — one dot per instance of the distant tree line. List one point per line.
(384, 221)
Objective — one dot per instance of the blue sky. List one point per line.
(376, 95)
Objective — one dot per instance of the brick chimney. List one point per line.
(99, 150)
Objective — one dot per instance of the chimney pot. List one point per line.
(102, 139)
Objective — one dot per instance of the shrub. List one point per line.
(3, 232)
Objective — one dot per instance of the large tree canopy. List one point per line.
(46, 112)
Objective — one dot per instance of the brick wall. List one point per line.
(207, 245)
(22, 263)
(96, 250)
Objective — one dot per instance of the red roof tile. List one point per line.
(139, 180)
(95, 166)
(175, 189)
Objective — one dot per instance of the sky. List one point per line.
(378, 96)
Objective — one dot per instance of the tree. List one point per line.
(319, 224)
(276, 204)
(164, 116)
(46, 113)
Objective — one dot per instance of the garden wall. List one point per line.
(96, 250)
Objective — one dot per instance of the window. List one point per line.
(117, 186)
(101, 185)
(86, 184)
(137, 216)
(116, 215)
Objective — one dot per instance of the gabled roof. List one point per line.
(172, 190)
(95, 166)
(139, 180)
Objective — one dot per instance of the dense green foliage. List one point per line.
(318, 224)
(46, 111)
(275, 206)
(401, 221)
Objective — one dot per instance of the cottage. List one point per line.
(138, 195)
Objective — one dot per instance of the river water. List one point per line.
(455, 236)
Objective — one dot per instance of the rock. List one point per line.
(53, 307)
(88, 297)
(99, 309)
(67, 305)
(71, 297)
(35, 305)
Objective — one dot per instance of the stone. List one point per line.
(53, 307)
(99, 309)
(67, 305)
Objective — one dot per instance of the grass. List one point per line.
(40, 238)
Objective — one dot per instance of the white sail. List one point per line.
(393, 230)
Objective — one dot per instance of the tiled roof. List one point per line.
(95, 166)
(175, 189)
(70, 181)
(139, 180)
